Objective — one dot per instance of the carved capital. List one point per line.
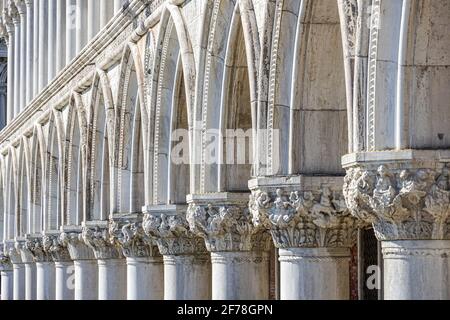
(304, 217)
(5, 262)
(21, 7)
(402, 200)
(25, 254)
(225, 224)
(98, 239)
(168, 227)
(13, 12)
(128, 233)
(39, 248)
(78, 249)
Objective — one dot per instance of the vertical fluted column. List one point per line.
(17, 55)
(406, 199)
(60, 35)
(36, 42)
(52, 44)
(313, 230)
(187, 268)
(112, 269)
(106, 12)
(85, 264)
(81, 23)
(93, 15)
(43, 44)
(144, 263)
(11, 54)
(29, 77)
(71, 27)
(6, 277)
(239, 252)
(22, 9)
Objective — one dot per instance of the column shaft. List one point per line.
(29, 53)
(60, 35)
(36, 47)
(106, 12)
(10, 84)
(52, 44)
(416, 269)
(314, 274)
(23, 60)
(81, 22)
(187, 277)
(30, 281)
(145, 279)
(45, 273)
(19, 281)
(86, 280)
(43, 44)
(17, 56)
(111, 279)
(7, 283)
(94, 17)
(65, 287)
(240, 275)
(71, 25)
(117, 6)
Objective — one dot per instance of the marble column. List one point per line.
(85, 265)
(239, 251)
(29, 76)
(117, 6)
(36, 42)
(71, 26)
(187, 269)
(112, 269)
(45, 267)
(81, 23)
(106, 12)
(30, 270)
(11, 54)
(43, 45)
(313, 231)
(405, 195)
(52, 39)
(17, 55)
(60, 35)
(6, 277)
(93, 19)
(64, 268)
(18, 273)
(22, 9)
(145, 271)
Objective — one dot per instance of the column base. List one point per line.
(314, 274)
(416, 269)
(240, 275)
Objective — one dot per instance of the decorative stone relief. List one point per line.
(172, 235)
(25, 254)
(98, 239)
(39, 248)
(304, 219)
(402, 202)
(56, 249)
(5, 263)
(130, 236)
(74, 242)
(226, 227)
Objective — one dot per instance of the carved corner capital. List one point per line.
(98, 239)
(402, 200)
(5, 262)
(168, 227)
(78, 250)
(309, 218)
(225, 225)
(128, 233)
(39, 247)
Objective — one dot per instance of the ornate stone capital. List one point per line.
(5, 262)
(225, 222)
(21, 7)
(39, 248)
(308, 215)
(168, 226)
(56, 248)
(25, 254)
(402, 200)
(98, 239)
(13, 12)
(128, 233)
(78, 250)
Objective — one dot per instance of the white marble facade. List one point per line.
(346, 103)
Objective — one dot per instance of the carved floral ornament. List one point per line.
(99, 240)
(39, 248)
(226, 228)
(401, 203)
(172, 235)
(304, 219)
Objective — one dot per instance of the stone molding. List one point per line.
(128, 233)
(227, 258)
(225, 222)
(403, 200)
(98, 238)
(169, 229)
(304, 216)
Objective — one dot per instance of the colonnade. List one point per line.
(43, 36)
